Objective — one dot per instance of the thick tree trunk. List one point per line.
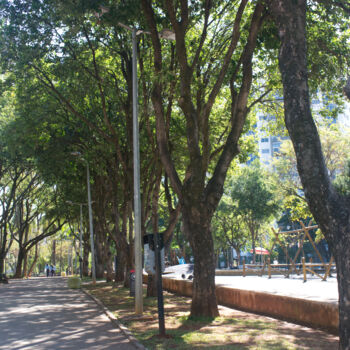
(19, 265)
(109, 267)
(121, 243)
(3, 253)
(25, 265)
(121, 263)
(197, 228)
(330, 209)
(99, 254)
(151, 286)
(2, 268)
(342, 251)
(129, 267)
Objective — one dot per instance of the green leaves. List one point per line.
(254, 194)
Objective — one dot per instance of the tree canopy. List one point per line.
(67, 76)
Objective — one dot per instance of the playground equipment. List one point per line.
(292, 266)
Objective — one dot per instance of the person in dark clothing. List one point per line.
(47, 269)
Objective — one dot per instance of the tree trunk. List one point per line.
(53, 255)
(19, 265)
(151, 286)
(99, 254)
(36, 256)
(347, 88)
(253, 236)
(238, 252)
(120, 271)
(3, 252)
(86, 252)
(197, 228)
(129, 267)
(109, 267)
(330, 210)
(2, 268)
(342, 251)
(124, 249)
(253, 246)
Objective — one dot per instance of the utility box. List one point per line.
(149, 253)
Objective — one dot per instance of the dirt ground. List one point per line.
(234, 329)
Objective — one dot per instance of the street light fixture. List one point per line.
(93, 267)
(169, 35)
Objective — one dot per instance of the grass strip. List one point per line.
(233, 329)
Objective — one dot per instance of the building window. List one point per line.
(265, 139)
(265, 151)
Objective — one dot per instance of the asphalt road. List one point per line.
(42, 313)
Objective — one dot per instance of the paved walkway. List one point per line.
(42, 313)
(313, 289)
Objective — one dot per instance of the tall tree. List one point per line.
(330, 209)
(229, 227)
(256, 200)
(201, 81)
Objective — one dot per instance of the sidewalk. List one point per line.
(42, 313)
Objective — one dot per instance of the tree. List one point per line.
(74, 96)
(28, 209)
(342, 181)
(336, 147)
(229, 227)
(201, 80)
(330, 208)
(255, 198)
(11, 179)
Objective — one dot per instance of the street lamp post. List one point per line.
(165, 34)
(137, 194)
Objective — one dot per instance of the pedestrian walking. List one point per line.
(47, 270)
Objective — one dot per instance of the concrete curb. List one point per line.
(115, 321)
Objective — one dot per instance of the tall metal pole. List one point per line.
(93, 269)
(81, 241)
(137, 196)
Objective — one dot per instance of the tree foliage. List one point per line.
(256, 199)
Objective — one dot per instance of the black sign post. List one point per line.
(158, 245)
